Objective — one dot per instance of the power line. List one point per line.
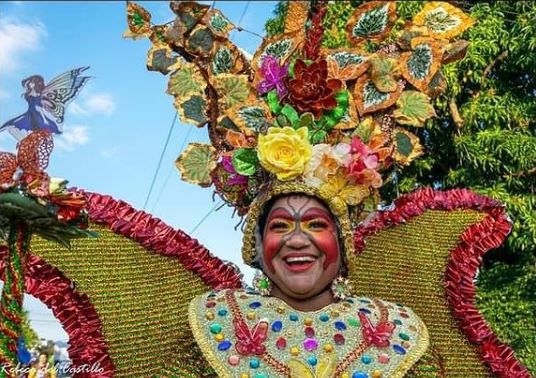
(238, 27)
(160, 160)
(216, 206)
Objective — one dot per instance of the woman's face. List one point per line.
(300, 246)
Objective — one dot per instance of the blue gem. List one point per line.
(312, 360)
(224, 345)
(366, 359)
(364, 301)
(255, 305)
(349, 300)
(254, 363)
(359, 374)
(398, 349)
(277, 326)
(293, 317)
(340, 326)
(260, 375)
(365, 310)
(398, 322)
(324, 317)
(222, 312)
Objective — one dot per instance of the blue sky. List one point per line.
(115, 131)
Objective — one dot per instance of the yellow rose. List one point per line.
(284, 151)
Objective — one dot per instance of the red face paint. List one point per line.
(315, 223)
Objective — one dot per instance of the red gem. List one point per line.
(309, 332)
(339, 339)
(281, 343)
(210, 304)
(404, 315)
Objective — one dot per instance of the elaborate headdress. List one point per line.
(301, 117)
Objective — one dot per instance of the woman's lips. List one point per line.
(298, 263)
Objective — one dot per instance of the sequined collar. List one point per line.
(245, 335)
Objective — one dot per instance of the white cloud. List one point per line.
(98, 103)
(72, 136)
(16, 39)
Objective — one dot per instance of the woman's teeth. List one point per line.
(290, 260)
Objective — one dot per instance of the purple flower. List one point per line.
(273, 75)
(234, 178)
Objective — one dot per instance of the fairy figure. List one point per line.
(46, 103)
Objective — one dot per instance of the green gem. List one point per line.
(263, 284)
(215, 328)
(403, 336)
(354, 322)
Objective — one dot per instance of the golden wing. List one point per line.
(122, 298)
(425, 253)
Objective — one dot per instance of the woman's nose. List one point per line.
(298, 240)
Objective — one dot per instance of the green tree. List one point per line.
(484, 138)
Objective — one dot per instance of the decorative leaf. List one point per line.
(196, 163)
(273, 102)
(232, 89)
(186, 81)
(306, 120)
(161, 59)
(384, 72)
(218, 23)
(350, 119)
(368, 99)
(455, 51)
(296, 16)
(200, 42)
(346, 64)
(371, 21)
(245, 161)
(414, 108)
(138, 21)
(291, 114)
(407, 146)
(420, 65)
(192, 110)
(280, 47)
(437, 85)
(317, 136)
(442, 19)
(253, 115)
(226, 59)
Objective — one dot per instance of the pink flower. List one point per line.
(234, 178)
(273, 75)
(363, 167)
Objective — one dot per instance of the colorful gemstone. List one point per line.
(244, 375)
(328, 348)
(365, 310)
(413, 328)
(364, 301)
(254, 305)
(359, 374)
(398, 322)
(312, 360)
(308, 321)
(209, 315)
(277, 326)
(345, 375)
(215, 328)
(339, 326)
(293, 317)
(399, 349)
(310, 344)
(366, 359)
(254, 363)
(334, 313)
(210, 304)
(294, 351)
(281, 343)
(251, 315)
(324, 317)
(383, 358)
(224, 345)
(354, 322)
(309, 332)
(403, 336)
(376, 374)
(404, 315)
(243, 296)
(222, 312)
(339, 339)
(260, 375)
(405, 344)
(219, 337)
(350, 300)
(233, 360)
(281, 309)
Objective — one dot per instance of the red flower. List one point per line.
(310, 90)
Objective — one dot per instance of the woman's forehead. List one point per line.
(298, 203)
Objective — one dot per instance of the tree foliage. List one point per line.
(484, 138)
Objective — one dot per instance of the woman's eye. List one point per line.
(318, 225)
(279, 226)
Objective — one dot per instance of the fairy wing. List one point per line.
(425, 252)
(63, 89)
(122, 297)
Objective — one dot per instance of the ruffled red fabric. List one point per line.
(463, 265)
(87, 347)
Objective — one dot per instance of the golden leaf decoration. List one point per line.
(341, 190)
(443, 20)
(138, 21)
(296, 16)
(407, 146)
